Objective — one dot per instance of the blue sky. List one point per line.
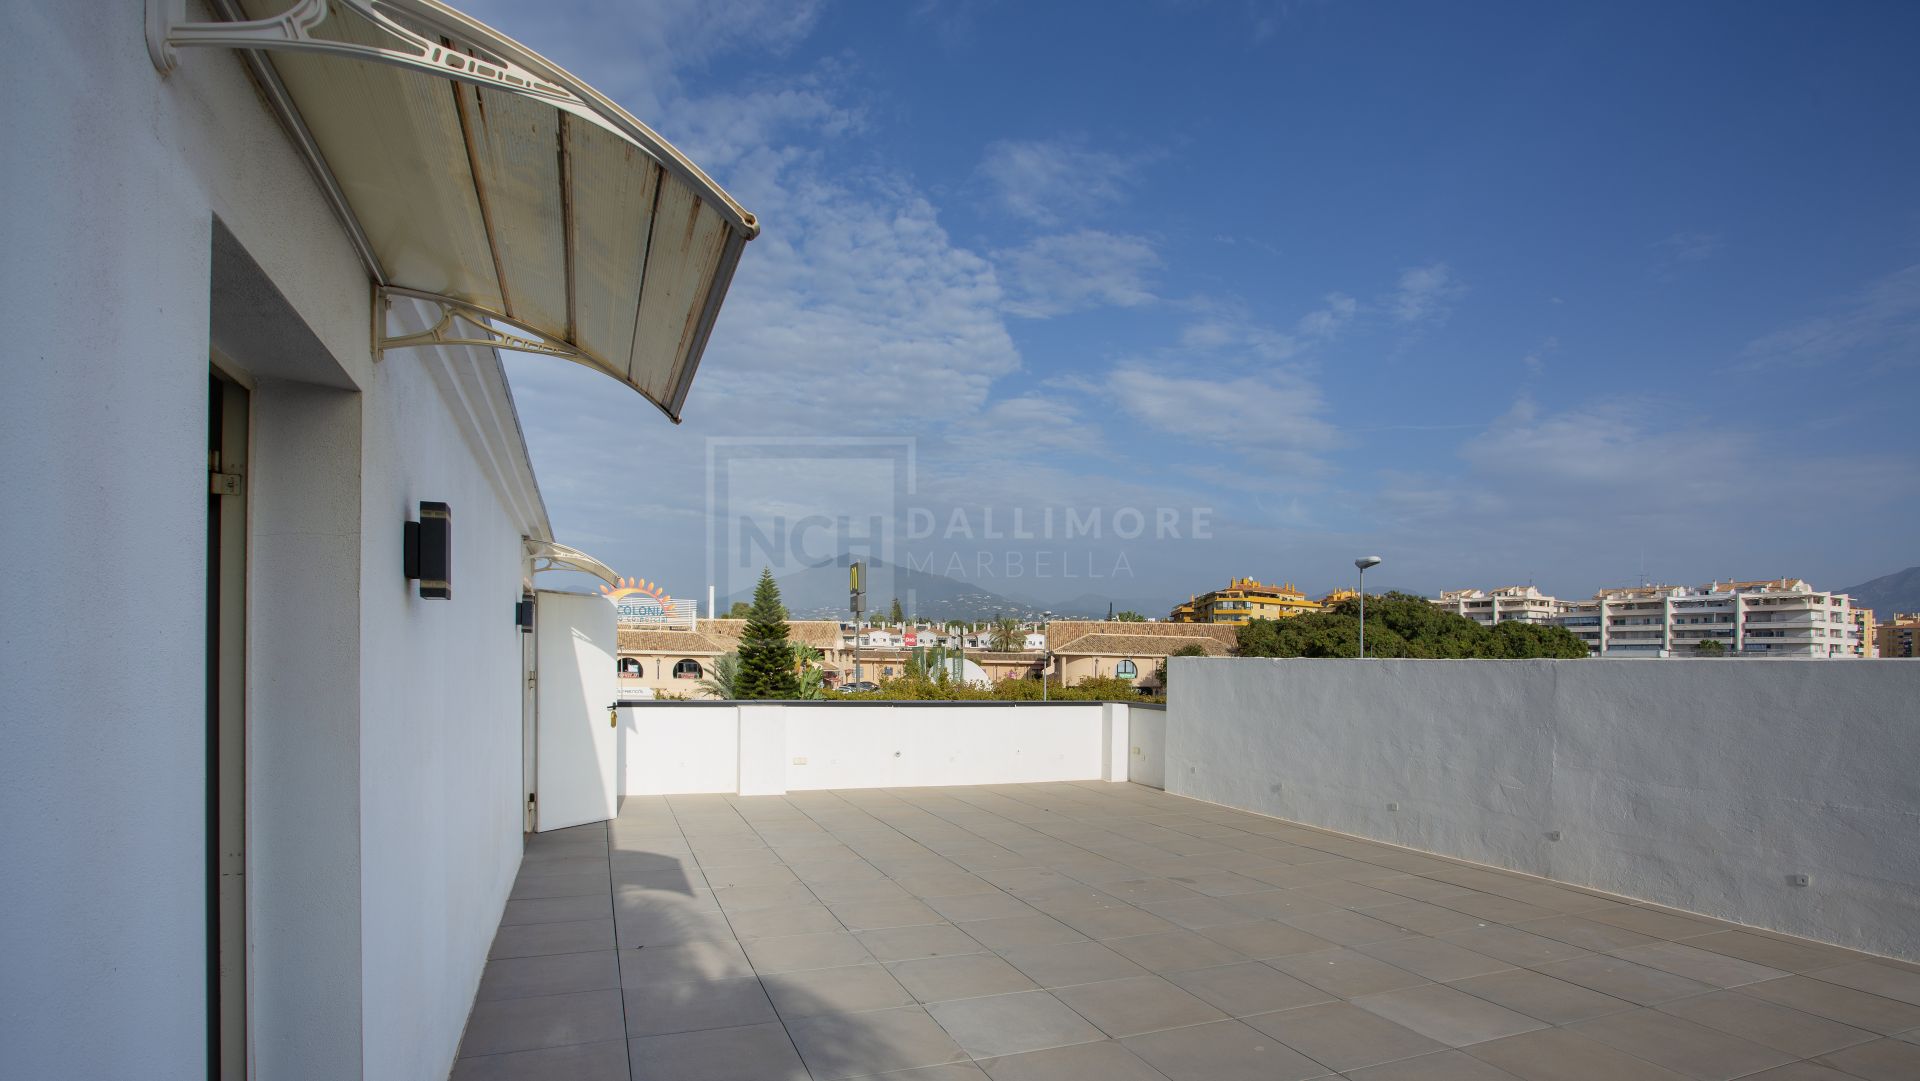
(1503, 292)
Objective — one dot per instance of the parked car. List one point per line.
(860, 685)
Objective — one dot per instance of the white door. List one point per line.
(575, 688)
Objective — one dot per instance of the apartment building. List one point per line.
(1524, 603)
(1780, 617)
(1868, 645)
(1896, 638)
(1244, 600)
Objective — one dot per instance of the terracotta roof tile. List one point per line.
(1069, 630)
(1141, 645)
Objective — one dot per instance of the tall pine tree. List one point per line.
(766, 657)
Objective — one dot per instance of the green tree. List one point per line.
(740, 610)
(893, 614)
(1516, 641)
(725, 681)
(766, 657)
(1401, 625)
(1006, 636)
(1129, 616)
(1709, 647)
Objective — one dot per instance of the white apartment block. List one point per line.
(1782, 617)
(1524, 603)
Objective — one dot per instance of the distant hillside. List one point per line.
(821, 593)
(1896, 592)
(1094, 606)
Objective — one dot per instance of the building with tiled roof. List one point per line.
(1242, 601)
(1135, 651)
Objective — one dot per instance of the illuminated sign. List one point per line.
(639, 601)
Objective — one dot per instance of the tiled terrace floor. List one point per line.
(1114, 933)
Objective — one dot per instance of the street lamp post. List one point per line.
(1363, 563)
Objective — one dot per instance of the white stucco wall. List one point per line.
(1703, 785)
(440, 752)
(385, 757)
(761, 748)
(107, 196)
(679, 751)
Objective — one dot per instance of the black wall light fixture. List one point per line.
(523, 615)
(429, 551)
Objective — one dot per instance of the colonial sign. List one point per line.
(640, 601)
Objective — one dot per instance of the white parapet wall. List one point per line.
(1710, 786)
(766, 748)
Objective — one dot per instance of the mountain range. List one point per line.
(821, 593)
(1888, 594)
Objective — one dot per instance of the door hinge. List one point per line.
(223, 483)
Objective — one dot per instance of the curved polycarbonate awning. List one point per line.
(553, 556)
(473, 173)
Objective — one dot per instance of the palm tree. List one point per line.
(1006, 635)
(812, 674)
(726, 677)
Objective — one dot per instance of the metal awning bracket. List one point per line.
(291, 30)
(461, 323)
(546, 555)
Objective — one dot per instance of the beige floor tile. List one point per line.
(1452, 1017)
(1346, 973)
(840, 1045)
(1800, 1034)
(1881, 1060)
(1439, 1066)
(1559, 1054)
(1876, 978)
(1714, 969)
(1174, 951)
(1137, 1005)
(1834, 1002)
(1540, 996)
(1623, 979)
(1682, 1046)
(1103, 1061)
(853, 989)
(1249, 988)
(1222, 1051)
(1342, 1036)
(761, 1052)
(999, 1025)
(602, 1061)
(1433, 958)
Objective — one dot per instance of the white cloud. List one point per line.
(1328, 321)
(1279, 409)
(1880, 325)
(1623, 446)
(1053, 275)
(637, 53)
(1048, 182)
(1227, 326)
(1689, 247)
(1425, 294)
